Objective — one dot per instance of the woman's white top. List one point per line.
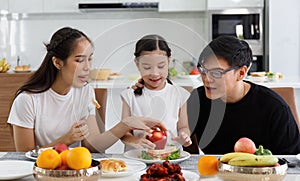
(161, 104)
(50, 114)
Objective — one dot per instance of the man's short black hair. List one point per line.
(234, 51)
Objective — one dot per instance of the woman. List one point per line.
(56, 105)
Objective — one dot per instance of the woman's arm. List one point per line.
(23, 138)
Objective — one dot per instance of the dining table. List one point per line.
(190, 164)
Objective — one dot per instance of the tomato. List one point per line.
(194, 72)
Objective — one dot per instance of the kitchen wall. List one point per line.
(113, 32)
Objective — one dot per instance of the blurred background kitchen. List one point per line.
(271, 27)
(187, 24)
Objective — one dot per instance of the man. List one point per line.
(231, 108)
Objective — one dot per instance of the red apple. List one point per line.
(158, 137)
(62, 167)
(245, 145)
(60, 147)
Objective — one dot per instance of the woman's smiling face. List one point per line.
(153, 67)
(76, 70)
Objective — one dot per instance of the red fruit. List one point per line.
(195, 71)
(159, 138)
(62, 167)
(60, 147)
(245, 145)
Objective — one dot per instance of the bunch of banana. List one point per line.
(4, 66)
(248, 159)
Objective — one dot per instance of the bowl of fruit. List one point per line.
(66, 164)
(247, 163)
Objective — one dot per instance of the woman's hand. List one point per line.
(142, 123)
(183, 139)
(78, 132)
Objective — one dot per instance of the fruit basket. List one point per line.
(90, 174)
(237, 173)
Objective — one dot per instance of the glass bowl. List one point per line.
(235, 173)
(89, 174)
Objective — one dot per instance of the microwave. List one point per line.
(246, 24)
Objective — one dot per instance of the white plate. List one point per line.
(188, 175)
(298, 156)
(28, 155)
(15, 169)
(136, 154)
(133, 166)
(22, 71)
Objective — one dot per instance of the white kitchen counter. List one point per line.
(124, 83)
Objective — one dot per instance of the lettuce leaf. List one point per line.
(174, 155)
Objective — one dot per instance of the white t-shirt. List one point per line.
(161, 104)
(51, 115)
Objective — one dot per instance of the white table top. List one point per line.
(288, 177)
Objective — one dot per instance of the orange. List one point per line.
(48, 159)
(63, 156)
(79, 158)
(208, 165)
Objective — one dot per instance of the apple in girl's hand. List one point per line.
(245, 145)
(60, 147)
(158, 137)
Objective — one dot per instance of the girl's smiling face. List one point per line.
(153, 67)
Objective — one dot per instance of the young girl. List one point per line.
(159, 99)
(55, 105)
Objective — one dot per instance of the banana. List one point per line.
(228, 156)
(256, 161)
(2, 62)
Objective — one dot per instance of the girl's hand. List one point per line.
(183, 139)
(142, 143)
(139, 84)
(78, 132)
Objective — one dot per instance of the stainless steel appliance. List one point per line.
(244, 23)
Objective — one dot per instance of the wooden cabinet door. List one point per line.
(9, 83)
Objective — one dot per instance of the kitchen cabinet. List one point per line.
(221, 4)
(28, 6)
(3, 6)
(10, 82)
(181, 5)
(58, 6)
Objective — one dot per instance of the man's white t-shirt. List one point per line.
(50, 114)
(161, 104)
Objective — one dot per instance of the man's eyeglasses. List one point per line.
(216, 73)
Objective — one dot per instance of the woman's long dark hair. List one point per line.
(61, 45)
(151, 43)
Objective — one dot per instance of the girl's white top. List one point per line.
(161, 104)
